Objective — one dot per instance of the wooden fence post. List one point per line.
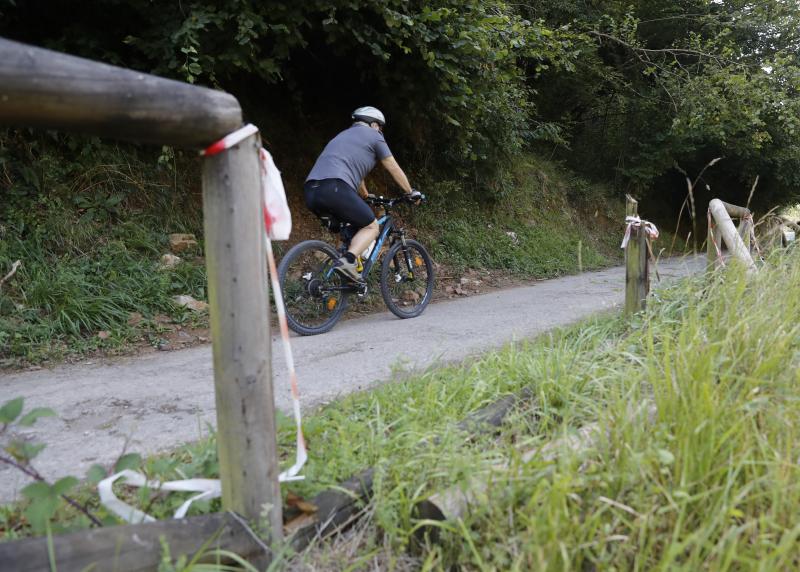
(744, 231)
(637, 283)
(239, 306)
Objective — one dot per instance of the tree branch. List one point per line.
(34, 474)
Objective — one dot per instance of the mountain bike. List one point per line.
(315, 296)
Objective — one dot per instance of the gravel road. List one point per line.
(160, 400)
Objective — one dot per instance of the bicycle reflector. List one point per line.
(331, 304)
(417, 261)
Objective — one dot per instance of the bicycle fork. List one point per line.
(398, 277)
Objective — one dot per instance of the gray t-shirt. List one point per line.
(351, 155)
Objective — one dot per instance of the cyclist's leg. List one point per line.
(341, 200)
(363, 238)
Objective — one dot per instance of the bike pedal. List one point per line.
(362, 289)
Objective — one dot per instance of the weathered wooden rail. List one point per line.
(737, 240)
(132, 548)
(45, 89)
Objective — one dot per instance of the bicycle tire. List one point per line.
(303, 273)
(407, 297)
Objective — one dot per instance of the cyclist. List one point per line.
(336, 181)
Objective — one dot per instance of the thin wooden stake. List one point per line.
(711, 251)
(239, 312)
(637, 281)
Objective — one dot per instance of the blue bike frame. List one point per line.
(386, 228)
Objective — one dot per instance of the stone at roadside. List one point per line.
(464, 281)
(181, 242)
(191, 303)
(103, 334)
(449, 290)
(411, 296)
(134, 319)
(169, 261)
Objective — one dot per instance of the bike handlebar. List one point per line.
(390, 202)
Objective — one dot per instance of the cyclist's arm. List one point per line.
(390, 164)
(362, 190)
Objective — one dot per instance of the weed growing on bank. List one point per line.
(543, 223)
(89, 223)
(694, 464)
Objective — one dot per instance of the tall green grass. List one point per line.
(708, 481)
(89, 223)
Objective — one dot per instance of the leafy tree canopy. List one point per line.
(620, 89)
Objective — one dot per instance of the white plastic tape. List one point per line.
(208, 489)
(636, 222)
(302, 454)
(229, 140)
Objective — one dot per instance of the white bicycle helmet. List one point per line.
(369, 114)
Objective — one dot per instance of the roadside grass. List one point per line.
(708, 481)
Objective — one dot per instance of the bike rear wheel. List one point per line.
(407, 279)
(312, 292)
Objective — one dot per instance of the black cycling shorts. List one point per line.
(337, 198)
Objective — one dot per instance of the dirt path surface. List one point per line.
(160, 400)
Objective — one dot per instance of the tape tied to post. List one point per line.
(229, 140)
(635, 222)
(209, 489)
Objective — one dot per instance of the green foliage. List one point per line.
(96, 473)
(11, 410)
(660, 83)
(44, 501)
(34, 414)
(128, 462)
(625, 90)
(450, 69)
(534, 230)
(701, 482)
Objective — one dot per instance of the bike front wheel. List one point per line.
(314, 295)
(407, 279)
